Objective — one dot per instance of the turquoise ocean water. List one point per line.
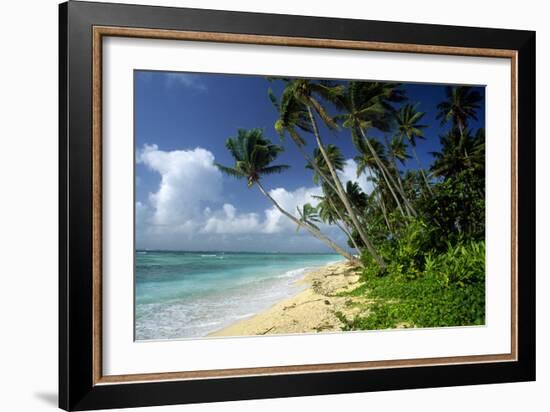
(191, 294)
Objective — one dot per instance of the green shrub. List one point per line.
(460, 265)
(445, 289)
(405, 253)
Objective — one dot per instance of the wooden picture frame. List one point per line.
(82, 385)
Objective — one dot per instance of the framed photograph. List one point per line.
(257, 206)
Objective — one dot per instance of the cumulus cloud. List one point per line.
(228, 221)
(275, 221)
(187, 209)
(189, 178)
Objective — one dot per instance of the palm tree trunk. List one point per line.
(422, 170)
(383, 208)
(398, 178)
(344, 229)
(380, 201)
(316, 168)
(383, 171)
(387, 173)
(342, 194)
(326, 180)
(350, 237)
(315, 232)
(460, 127)
(401, 189)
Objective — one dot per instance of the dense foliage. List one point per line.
(444, 289)
(419, 234)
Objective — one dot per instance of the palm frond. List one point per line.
(275, 169)
(272, 98)
(230, 171)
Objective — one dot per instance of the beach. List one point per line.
(313, 309)
(192, 294)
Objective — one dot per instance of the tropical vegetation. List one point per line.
(417, 237)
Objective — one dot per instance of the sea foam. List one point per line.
(189, 295)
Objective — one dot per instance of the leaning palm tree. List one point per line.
(366, 105)
(329, 213)
(356, 195)
(320, 166)
(337, 159)
(461, 105)
(397, 149)
(253, 155)
(378, 194)
(367, 161)
(294, 119)
(407, 119)
(307, 95)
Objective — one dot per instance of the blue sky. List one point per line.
(182, 121)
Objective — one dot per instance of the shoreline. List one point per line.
(311, 310)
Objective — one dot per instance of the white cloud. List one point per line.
(227, 221)
(350, 173)
(188, 179)
(275, 221)
(186, 212)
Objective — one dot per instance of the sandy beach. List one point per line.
(311, 310)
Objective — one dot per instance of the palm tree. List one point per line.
(254, 156)
(378, 195)
(320, 166)
(293, 118)
(308, 214)
(397, 148)
(461, 105)
(356, 195)
(309, 94)
(460, 151)
(367, 161)
(408, 126)
(330, 214)
(413, 182)
(352, 189)
(366, 105)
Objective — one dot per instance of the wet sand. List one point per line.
(311, 310)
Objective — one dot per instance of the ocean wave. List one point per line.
(198, 314)
(293, 273)
(246, 315)
(212, 256)
(208, 324)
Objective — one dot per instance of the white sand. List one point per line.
(312, 310)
